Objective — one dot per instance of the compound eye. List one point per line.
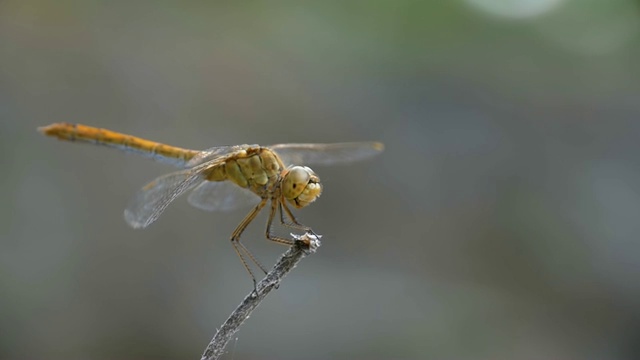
(299, 176)
(295, 181)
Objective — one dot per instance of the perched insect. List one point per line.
(226, 177)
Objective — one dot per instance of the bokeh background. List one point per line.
(501, 222)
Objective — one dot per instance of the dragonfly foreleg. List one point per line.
(275, 238)
(294, 224)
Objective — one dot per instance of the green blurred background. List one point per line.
(501, 222)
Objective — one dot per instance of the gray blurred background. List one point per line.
(501, 222)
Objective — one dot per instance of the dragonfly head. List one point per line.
(300, 186)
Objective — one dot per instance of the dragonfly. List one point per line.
(224, 178)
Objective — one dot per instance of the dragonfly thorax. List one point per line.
(300, 186)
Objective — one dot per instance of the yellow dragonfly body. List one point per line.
(225, 177)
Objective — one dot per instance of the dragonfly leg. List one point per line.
(294, 224)
(275, 238)
(240, 248)
(236, 247)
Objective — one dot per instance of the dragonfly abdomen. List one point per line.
(88, 134)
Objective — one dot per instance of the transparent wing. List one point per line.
(214, 153)
(326, 154)
(221, 196)
(149, 202)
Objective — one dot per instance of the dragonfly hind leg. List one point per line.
(240, 249)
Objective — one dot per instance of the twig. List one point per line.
(305, 244)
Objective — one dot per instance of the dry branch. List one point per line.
(305, 245)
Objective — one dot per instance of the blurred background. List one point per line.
(501, 222)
